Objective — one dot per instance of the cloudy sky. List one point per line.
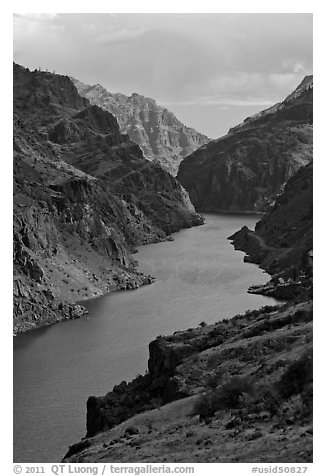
(211, 70)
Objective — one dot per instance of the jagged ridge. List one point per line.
(245, 169)
(160, 135)
(84, 197)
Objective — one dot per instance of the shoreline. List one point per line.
(78, 310)
(183, 369)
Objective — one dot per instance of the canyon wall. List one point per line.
(244, 170)
(84, 197)
(161, 136)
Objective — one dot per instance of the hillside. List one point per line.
(282, 242)
(244, 170)
(161, 136)
(84, 197)
(239, 390)
(236, 391)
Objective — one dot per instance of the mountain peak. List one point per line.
(245, 169)
(305, 85)
(71, 169)
(140, 100)
(160, 135)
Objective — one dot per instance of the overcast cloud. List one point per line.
(212, 70)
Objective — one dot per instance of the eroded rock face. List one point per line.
(245, 169)
(252, 373)
(160, 135)
(282, 241)
(84, 197)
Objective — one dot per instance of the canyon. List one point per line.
(84, 197)
(236, 390)
(161, 136)
(197, 276)
(247, 168)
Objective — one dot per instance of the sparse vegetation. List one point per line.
(228, 395)
(297, 377)
(214, 379)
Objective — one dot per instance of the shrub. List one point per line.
(297, 377)
(300, 313)
(266, 309)
(202, 324)
(204, 406)
(238, 316)
(228, 395)
(218, 338)
(307, 400)
(214, 379)
(253, 313)
(269, 401)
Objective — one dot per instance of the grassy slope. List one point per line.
(268, 423)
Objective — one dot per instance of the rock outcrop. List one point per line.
(234, 391)
(161, 136)
(244, 170)
(282, 242)
(84, 197)
(239, 390)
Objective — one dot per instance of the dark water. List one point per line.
(199, 278)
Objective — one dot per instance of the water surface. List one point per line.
(200, 277)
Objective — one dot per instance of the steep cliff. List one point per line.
(160, 135)
(239, 390)
(235, 391)
(84, 196)
(245, 169)
(282, 242)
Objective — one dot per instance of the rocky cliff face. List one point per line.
(282, 242)
(239, 390)
(245, 169)
(84, 196)
(234, 391)
(161, 136)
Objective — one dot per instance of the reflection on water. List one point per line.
(199, 278)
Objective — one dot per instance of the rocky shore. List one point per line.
(232, 391)
(239, 390)
(84, 198)
(282, 241)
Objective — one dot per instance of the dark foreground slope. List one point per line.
(160, 135)
(243, 170)
(236, 391)
(239, 390)
(84, 196)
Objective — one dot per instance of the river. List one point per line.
(200, 277)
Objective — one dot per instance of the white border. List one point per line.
(168, 6)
